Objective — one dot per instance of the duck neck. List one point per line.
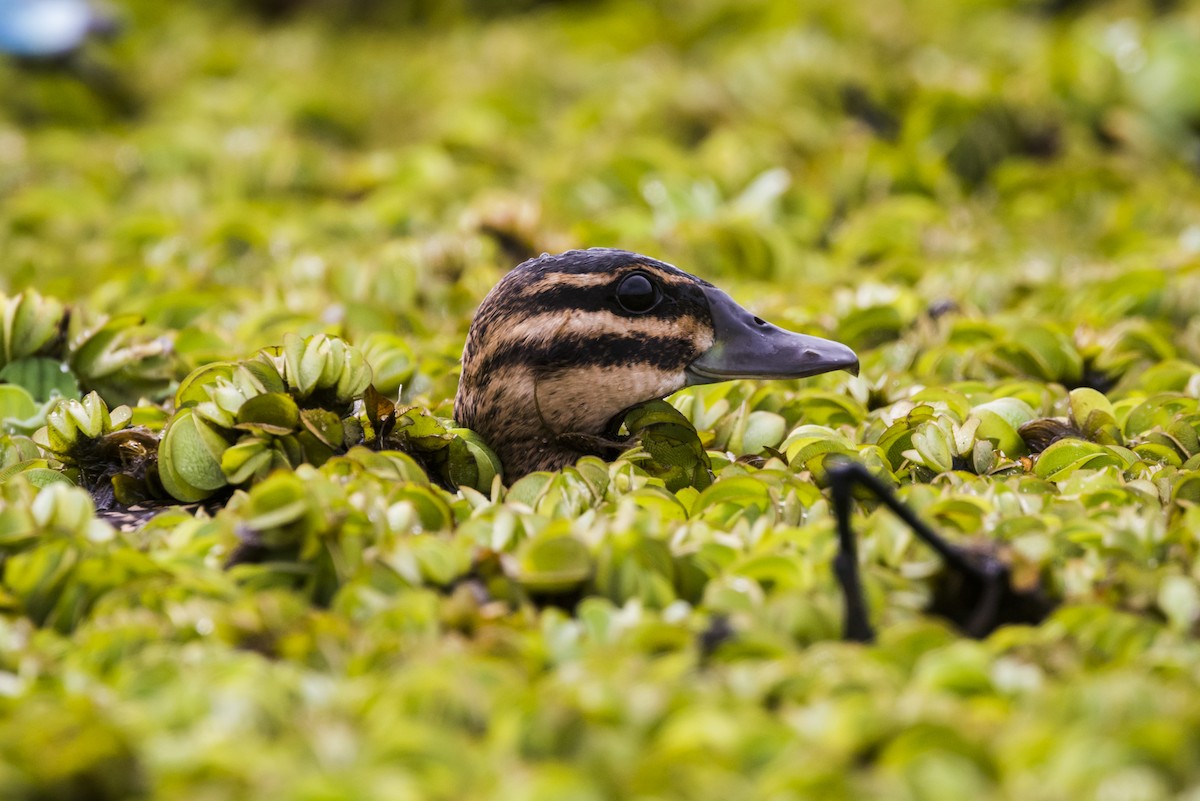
(534, 424)
(544, 453)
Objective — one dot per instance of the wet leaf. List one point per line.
(42, 378)
(325, 426)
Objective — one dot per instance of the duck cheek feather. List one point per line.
(745, 346)
(585, 399)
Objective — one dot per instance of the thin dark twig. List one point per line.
(987, 600)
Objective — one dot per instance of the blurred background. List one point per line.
(235, 170)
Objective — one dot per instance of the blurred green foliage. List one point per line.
(995, 203)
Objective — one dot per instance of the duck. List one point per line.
(565, 344)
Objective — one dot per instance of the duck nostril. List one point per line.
(759, 321)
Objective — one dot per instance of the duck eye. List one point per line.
(637, 294)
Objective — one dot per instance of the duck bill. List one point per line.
(746, 347)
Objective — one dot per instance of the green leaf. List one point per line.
(529, 488)
(420, 430)
(553, 564)
(248, 458)
(731, 496)
(391, 359)
(42, 378)
(763, 430)
(486, 463)
(998, 423)
(37, 474)
(432, 510)
(325, 426)
(676, 454)
(931, 442)
(190, 458)
(271, 413)
(1069, 455)
(305, 360)
(16, 403)
(193, 389)
(1179, 600)
(30, 322)
(276, 502)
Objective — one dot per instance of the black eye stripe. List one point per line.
(527, 292)
(612, 349)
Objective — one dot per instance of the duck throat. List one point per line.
(546, 420)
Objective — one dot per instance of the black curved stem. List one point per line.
(983, 579)
(856, 626)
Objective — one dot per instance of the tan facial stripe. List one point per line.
(548, 327)
(671, 277)
(586, 398)
(582, 280)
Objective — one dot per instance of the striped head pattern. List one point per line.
(564, 344)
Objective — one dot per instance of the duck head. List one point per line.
(564, 344)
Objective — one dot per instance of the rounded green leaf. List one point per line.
(553, 564)
(1085, 401)
(391, 359)
(528, 489)
(1068, 455)
(763, 430)
(955, 401)
(933, 445)
(16, 403)
(998, 423)
(1159, 453)
(487, 464)
(192, 389)
(731, 497)
(244, 460)
(1187, 489)
(431, 509)
(278, 501)
(271, 413)
(190, 458)
(325, 426)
